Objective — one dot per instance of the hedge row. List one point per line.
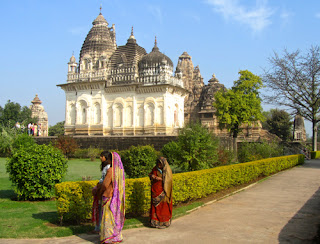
(74, 198)
(315, 154)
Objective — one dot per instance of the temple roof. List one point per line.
(128, 54)
(100, 39)
(155, 57)
(36, 100)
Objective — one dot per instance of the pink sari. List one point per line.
(113, 209)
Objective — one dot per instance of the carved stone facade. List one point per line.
(299, 131)
(121, 90)
(37, 111)
(199, 102)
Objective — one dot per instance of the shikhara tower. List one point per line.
(121, 90)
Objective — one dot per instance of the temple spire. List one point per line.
(100, 8)
(155, 48)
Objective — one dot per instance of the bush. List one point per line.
(225, 156)
(66, 144)
(81, 153)
(139, 161)
(22, 140)
(251, 151)
(315, 154)
(94, 153)
(196, 148)
(34, 171)
(74, 199)
(171, 152)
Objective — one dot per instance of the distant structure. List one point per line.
(299, 131)
(199, 102)
(37, 111)
(123, 90)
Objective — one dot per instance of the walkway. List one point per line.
(284, 208)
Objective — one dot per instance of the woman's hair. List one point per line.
(107, 155)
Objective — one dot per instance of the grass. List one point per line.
(39, 219)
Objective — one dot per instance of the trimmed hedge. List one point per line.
(315, 154)
(74, 199)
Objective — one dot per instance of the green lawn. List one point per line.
(39, 219)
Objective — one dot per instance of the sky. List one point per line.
(222, 37)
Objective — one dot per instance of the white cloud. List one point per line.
(257, 17)
(156, 12)
(286, 17)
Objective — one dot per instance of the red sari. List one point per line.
(161, 206)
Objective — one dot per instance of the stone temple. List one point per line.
(123, 90)
(37, 111)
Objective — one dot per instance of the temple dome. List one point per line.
(100, 39)
(73, 59)
(155, 57)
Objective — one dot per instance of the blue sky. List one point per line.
(222, 36)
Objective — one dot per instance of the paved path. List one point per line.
(284, 208)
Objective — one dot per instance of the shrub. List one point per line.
(196, 148)
(66, 144)
(74, 199)
(22, 140)
(251, 151)
(81, 153)
(34, 171)
(171, 152)
(315, 154)
(138, 161)
(94, 153)
(225, 156)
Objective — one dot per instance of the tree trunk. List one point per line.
(235, 146)
(314, 135)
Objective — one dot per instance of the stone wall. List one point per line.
(111, 143)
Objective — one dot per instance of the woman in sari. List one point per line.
(161, 194)
(110, 216)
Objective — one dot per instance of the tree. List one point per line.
(13, 112)
(294, 82)
(195, 149)
(278, 122)
(239, 105)
(57, 129)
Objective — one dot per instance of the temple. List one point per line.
(123, 90)
(37, 111)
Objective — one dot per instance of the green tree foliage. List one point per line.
(195, 149)
(239, 105)
(13, 112)
(34, 170)
(251, 151)
(139, 161)
(57, 129)
(278, 122)
(8, 137)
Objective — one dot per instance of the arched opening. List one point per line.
(150, 114)
(97, 113)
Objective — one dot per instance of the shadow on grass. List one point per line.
(7, 194)
(51, 220)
